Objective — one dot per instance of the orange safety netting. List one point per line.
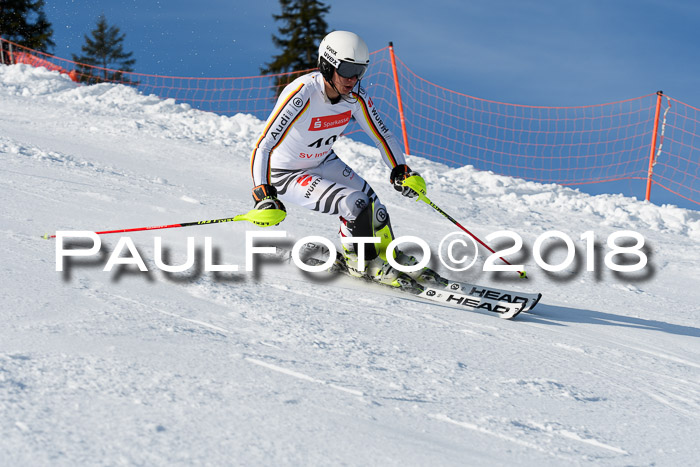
(565, 145)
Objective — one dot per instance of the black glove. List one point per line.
(265, 197)
(398, 175)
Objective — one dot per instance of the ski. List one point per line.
(505, 310)
(434, 288)
(473, 293)
(528, 300)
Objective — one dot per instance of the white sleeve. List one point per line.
(371, 122)
(292, 102)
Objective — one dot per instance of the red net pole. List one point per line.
(398, 97)
(654, 135)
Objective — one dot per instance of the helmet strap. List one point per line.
(343, 97)
(327, 71)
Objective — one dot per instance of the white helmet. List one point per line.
(343, 51)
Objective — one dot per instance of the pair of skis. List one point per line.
(432, 287)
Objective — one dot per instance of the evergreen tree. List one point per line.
(24, 22)
(303, 28)
(105, 50)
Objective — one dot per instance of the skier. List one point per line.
(293, 160)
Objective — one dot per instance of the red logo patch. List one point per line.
(329, 121)
(304, 180)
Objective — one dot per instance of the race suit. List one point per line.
(295, 151)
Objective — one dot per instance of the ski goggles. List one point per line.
(351, 70)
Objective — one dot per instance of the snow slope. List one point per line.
(277, 367)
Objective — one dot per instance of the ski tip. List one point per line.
(533, 304)
(523, 275)
(537, 300)
(46, 236)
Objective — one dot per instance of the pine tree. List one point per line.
(105, 50)
(303, 28)
(24, 22)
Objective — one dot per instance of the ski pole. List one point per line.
(415, 184)
(263, 218)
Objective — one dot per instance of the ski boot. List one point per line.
(380, 271)
(425, 276)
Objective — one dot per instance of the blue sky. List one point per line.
(547, 52)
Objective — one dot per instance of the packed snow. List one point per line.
(281, 367)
